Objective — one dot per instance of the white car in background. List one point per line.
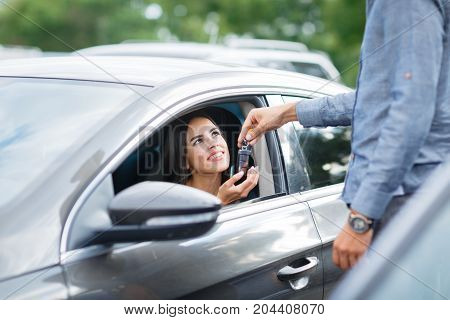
(281, 55)
(307, 62)
(244, 43)
(185, 50)
(18, 52)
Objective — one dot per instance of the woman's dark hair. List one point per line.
(175, 147)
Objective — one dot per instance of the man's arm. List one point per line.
(327, 111)
(321, 112)
(417, 46)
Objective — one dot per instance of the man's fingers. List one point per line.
(254, 134)
(335, 256)
(353, 259)
(340, 254)
(344, 262)
(248, 124)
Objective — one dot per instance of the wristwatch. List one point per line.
(359, 223)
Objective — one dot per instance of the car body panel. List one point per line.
(41, 211)
(330, 214)
(232, 249)
(48, 283)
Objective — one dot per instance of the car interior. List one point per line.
(147, 163)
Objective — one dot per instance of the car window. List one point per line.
(327, 151)
(423, 270)
(156, 158)
(36, 111)
(295, 164)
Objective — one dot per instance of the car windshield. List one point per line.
(44, 122)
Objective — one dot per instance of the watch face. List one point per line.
(358, 224)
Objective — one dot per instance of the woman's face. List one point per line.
(206, 149)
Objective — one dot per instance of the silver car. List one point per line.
(86, 213)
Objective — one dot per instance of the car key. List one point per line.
(244, 156)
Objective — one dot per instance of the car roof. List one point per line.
(129, 70)
(189, 50)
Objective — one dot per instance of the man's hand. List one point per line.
(261, 120)
(349, 246)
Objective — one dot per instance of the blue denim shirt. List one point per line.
(400, 111)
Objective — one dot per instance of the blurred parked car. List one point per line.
(55, 53)
(298, 60)
(244, 43)
(87, 212)
(17, 52)
(186, 50)
(311, 63)
(411, 258)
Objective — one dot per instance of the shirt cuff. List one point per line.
(370, 202)
(308, 113)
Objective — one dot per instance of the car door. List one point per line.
(267, 248)
(318, 162)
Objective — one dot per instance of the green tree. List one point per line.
(333, 26)
(79, 23)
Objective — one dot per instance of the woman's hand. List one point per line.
(228, 192)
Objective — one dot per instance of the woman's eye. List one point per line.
(215, 133)
(197, 141)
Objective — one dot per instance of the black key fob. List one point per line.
(244, 157)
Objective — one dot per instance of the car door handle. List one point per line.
(300, 269)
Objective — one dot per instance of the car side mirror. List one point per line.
(151, 211)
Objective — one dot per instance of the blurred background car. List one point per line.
(18, 52)
(248, 43)
(282, 55)
(186, 50)
(411, 257)
(306, 62)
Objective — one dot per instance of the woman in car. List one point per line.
(201, 159)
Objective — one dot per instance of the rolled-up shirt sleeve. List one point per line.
(326, 111)
(417, 44)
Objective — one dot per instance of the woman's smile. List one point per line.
(216, 155)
